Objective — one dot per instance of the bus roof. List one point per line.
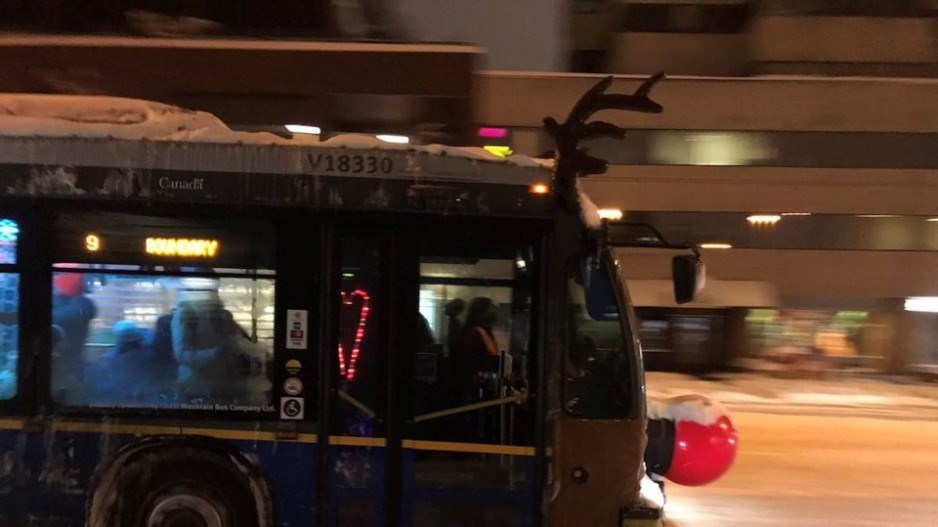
(85, 136)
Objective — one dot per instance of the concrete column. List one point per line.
(904, 340)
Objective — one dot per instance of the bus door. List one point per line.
(358, 362)
(432, 416)
(468, 441)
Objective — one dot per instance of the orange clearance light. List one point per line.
(183, 247)
(540, 188)
(92, 243)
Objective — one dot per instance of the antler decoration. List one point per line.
(572, 160)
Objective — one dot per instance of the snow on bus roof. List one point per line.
(105, 117)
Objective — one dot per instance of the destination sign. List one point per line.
(182, 247)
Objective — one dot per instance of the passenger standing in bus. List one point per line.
(477, 362)
(477, 340)
(72, 313)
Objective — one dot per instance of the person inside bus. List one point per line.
(72, 313)
(453, 310)
(216, 361)
(125, 374)
(477, 361)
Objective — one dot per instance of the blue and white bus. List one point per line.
(200, 327)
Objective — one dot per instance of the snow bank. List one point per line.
(691, 407)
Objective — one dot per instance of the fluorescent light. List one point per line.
(399, 139)
(610, 214)
(922, 304)
(491, 131)
(715, 245)
(764, 219)
(796, 214)
(877, 215)
(932, 219)
(304, 129)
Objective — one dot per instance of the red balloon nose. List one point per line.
(702, 453)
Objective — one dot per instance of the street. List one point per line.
(819, 471)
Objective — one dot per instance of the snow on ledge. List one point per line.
(103, 117)
(29, 115)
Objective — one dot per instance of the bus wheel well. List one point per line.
(154, 475)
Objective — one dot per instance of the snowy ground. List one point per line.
(839, 394)
(820, 471)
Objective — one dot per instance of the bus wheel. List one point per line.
(183, 490)
(185, 505)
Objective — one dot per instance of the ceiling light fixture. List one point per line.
(303, 129)
(390, 138)
(764, 219)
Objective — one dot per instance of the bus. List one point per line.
(203, 327)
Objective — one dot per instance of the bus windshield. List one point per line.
(602, 372)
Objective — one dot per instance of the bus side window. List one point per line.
(9, 308)
(131, 340)
(9, 333)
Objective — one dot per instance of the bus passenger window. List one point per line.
(9, 308)
(9, 333)
(125, 338)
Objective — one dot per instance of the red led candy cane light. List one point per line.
(347, 369)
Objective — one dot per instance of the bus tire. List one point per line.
(181, 489)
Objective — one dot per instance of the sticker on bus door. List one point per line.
(291, 408)
(296, 329)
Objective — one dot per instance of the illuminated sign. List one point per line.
(92, 243)
(182, 247)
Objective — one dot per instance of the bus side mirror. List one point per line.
(689, 276)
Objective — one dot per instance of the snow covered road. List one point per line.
(820, 471)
